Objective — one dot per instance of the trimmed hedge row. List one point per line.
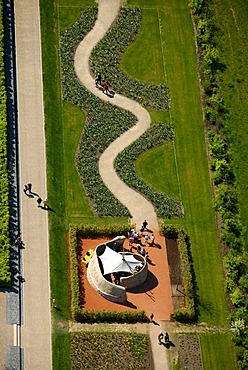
(5, 275)
(226, 199)
(107, 55)
(93, 316)
(157, 134)
(186, 314)
(105, 122)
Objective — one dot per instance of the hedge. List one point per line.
(226, 199)
(5, 275)
(186, 314)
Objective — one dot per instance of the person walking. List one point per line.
(151, 317)
(29, 188)
(146, 238)
(106, 88)
(39, 201)
(160, 337)
(98, 80)
(25, 189)
(45, 204)
(145, 223)
(152, 239)
(166, 337)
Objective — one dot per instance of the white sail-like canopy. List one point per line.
(115, 262)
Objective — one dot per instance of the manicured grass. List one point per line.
(73, 121)
(70, 11)
(137, 58)
(217, 351)
(56, 183)
(159, 116)
(157, 166)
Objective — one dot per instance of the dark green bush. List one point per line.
(121, 317)
(188, 313)
(5, 275)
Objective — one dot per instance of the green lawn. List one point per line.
(217, 351)
(158, 167)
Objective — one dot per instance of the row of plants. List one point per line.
(188, 313)
(157, 134)
(226, 197)
(106, 350)
(93, 316)
(5, 275)
(106, 56)
(104, 124)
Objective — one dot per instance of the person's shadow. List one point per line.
(168, 344)
(155, 322)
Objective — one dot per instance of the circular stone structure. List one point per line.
(106, 260)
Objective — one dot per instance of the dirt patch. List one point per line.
(173, 256)
(190, 352)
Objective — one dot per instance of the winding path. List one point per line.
(139, 207)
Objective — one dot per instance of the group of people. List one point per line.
(162, 336)
(136, 237)
(98, 82)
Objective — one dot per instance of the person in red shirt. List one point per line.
(105, 88)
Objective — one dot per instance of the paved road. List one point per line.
(36, 329)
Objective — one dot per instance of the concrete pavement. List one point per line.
(36, 328)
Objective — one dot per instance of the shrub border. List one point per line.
(5, 275)
(226, 198)
(187, 314)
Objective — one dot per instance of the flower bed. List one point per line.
(110, 351)
(156, 135)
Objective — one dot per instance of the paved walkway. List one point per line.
(36, 328)
(108, 11)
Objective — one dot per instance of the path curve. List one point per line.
(139, 207)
